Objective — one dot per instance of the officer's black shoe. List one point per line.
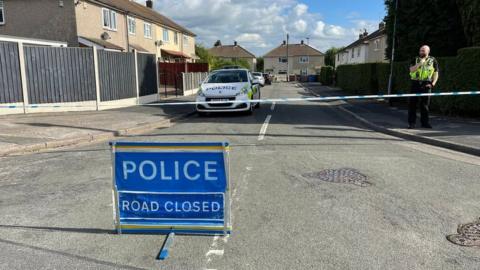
(427, 126)
(411, 126)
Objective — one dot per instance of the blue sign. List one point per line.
(171, 187)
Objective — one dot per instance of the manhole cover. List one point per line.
(343, 175)
(468, 235)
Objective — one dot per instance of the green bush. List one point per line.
(460, 73)
(218, 63)
(326, 75)
(358, 79)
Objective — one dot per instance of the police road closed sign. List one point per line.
(171, 187)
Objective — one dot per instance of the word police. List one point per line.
(172, 170)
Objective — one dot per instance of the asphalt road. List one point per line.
(56, 208)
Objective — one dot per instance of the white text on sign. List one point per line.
(191, 170)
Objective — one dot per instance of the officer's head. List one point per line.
(424, 51)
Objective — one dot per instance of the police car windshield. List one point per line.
(228, 76)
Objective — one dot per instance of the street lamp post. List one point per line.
(392, 58)
(288, 68)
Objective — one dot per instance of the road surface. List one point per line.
(56, 207)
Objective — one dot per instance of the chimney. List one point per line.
(301, 42)
(149, 3)
(360, 36)
(235, 43)
(381, 25)
(284, 42)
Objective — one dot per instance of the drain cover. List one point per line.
(342, 175)
(468, 235)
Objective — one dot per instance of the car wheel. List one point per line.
(250, 111)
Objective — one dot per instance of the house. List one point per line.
(369, 48)
(117, 25)
(233, 53)
(303, 59)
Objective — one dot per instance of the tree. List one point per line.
(470, 14)
(419, 22)
(330, 56)
(218, 63)
(260, 64)
(203, 54)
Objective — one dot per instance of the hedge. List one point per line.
(460, 73)
(326, 75)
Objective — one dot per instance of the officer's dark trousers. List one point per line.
(419, 87)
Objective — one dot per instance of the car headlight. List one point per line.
(243, 91)
(200, 93)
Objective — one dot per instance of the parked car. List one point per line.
(228, 90)
(268, 78)
(259, 77)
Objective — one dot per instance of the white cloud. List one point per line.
(248, 37)
(300, 26)
(301, 9)
(258, 25)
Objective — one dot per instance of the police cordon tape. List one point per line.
(270, 100)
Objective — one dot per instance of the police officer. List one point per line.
(424, 76)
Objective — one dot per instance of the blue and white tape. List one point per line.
(270, 100)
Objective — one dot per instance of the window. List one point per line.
(175, 38)
(304, 72)
(2, 13)
(147, 30)
(230, 76)
(358, 51)
(282, 59)
(132, 26)
(353, 52)
(303, 59)
(338, 57)
(109, 19)
(185, 40)
(377, 44)
(166, 38)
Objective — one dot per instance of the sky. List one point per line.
(261, 25)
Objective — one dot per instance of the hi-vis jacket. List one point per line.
(426, 70)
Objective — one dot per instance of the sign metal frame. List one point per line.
(202, 229)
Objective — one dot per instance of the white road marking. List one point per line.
(263, 130)
(217, 252)
(273, 106)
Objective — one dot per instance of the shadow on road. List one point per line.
(60, 229)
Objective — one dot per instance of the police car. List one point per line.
(228, 90)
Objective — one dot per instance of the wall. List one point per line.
(272, 63)
(375, 55)
(315, 63)
(40, 19)
(168, 45)
(189, 47)
(90, 25)
(139, 38)
(294, 64)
